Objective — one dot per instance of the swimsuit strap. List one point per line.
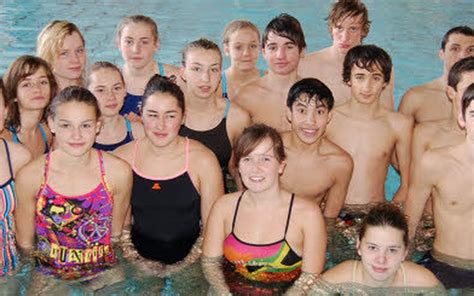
(43, 134)
(187, 155)
(134, 153)
(289, 214)
(262, 72)
(236, 210)
(15, 138)
(224, 85)
(46, 167)
(354, 270)
(129, 127)
(161, 69)
(227, 107)
(101, 163)
(404, 275)
(8, 158)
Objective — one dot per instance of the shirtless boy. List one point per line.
(316, 167)
(447, 174)
(369, 132)
(348, 24)
(265, 98)
(428, 102)
(437, 134)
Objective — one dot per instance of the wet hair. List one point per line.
(458, 69)
(73, 94)
(343, 9)
(137, 19)
(385, 214)
(367, 57)
(21, 68)
(235, 26)
(201, 43)
(285, 26)
(51, 39)
(467, 99)
(313, 89)
(464, 30)
(165, 85)
(252, 136)
(102, 65)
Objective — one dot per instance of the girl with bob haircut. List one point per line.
(263, 240)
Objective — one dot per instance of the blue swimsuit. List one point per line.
(112, 147)
(132, 102)
(43, 134)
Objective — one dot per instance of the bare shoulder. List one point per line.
(399, 121)
(341, 273)
(418, 276)
(226, 203)
(33, 171)
(307, 209)
(125, 152)
(137, 129)
(428, 127)
(20, 155)
(238, 114)
(249, 91)
(116, 167)
(337, 158)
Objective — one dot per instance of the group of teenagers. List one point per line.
(250, 178)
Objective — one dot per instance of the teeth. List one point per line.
(256, 179)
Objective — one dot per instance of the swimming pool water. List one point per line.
(410, 30)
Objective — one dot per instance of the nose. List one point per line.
(311, 117)
(381, 258)
(206, 75)
(160, 123)
(76, 133)
(136, 47)
(345, 35)
(246, 50)
(281, 53)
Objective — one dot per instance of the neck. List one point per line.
(282, 81)
(30, 119)
(147, 71)
(303, 147)
(199, 104)
(69, 161)
(111, 122)
(265, 198)
(241, 74)
(63, 82)
(363, 111)
(169, 149)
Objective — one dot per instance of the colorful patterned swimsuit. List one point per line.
(8, 254)
(260, 269)
(74, 231)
